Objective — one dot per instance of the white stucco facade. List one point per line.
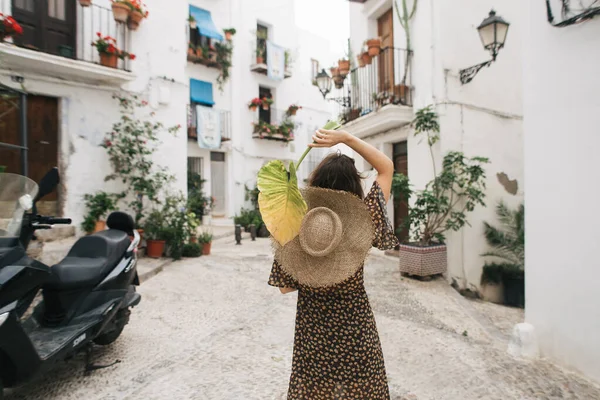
(161, 75)
(482, 118)
(562, 171)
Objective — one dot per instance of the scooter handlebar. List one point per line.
(59, 221)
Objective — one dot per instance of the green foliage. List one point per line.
(230, 30)
(248, 217)
(405, 16)
(155, 227)
(98, 206)
(197, 202)
(130, 146)
(444, 203)
(192, 250)
(2, 168)
(252, 196)
(174, 224)
(401, 190)
(224, 51)
(508, 242)
(205, 237)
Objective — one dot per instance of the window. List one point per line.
(264, 115)
(314, 69)
(262, 35)
(195, 166)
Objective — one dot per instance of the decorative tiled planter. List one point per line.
(423, 261)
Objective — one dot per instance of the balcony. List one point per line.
(222, 116)
(260, 59)
(376, 96)
(274, 124)
(56, 43)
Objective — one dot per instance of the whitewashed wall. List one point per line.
(562, 171)
(482, 118)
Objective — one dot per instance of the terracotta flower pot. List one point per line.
(135, 18)
(199, 53)
(228, 36)
(366, 58)
(265, 106)
(361, 62)
(335, 71)
(120, 12)
(344, 66)
(132, 25)
(191, 52)
(253, 108)
(193, 24)
(293, 112)
(193, 239)
(155, 248)
(85, 3)
(374, 46)
(100, 226)
(109, 60)
(260, 60)
(206, 249)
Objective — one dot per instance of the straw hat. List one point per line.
(334, 239)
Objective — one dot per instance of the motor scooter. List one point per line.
(86, 297)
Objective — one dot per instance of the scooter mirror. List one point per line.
(48, 183)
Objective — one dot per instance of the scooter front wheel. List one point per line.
(108, 337)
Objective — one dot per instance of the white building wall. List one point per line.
(87, 112)
(482, 118)
(562, 172)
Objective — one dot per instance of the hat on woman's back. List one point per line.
(334, 239)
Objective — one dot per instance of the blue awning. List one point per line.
(201, 92)
(206, 26)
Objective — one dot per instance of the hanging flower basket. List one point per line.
(121, 12)
(344, 67)
(374, 46)
(266, 103)
(85, 3)
(134, 20)
(253, 105)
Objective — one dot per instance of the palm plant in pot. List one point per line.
(508, 245)
(442, 206)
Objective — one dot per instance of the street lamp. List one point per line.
(323, 82)
(492, 31)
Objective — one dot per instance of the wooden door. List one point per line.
(385, 30)
(42, 142)
(401, 209)
(48, 25)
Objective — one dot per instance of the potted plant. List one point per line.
(191, 50)
(85, 3)
(361, 61)
(293, 109)
(254, 104)
(98, 206)
(210, 53)
(192, 22)
(157, 234)
(508, 245)
(260, 54)
(205, 239)
(229, 33)
(344, 66)
(374, 46)
(267, 102)
(109, 52)
(121, 10)
(366, 58)
(9, 27)
(138, 13)
(442, 206)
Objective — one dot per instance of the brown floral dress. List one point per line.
(337, 353)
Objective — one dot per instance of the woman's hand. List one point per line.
(327, 138)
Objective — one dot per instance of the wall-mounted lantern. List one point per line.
(492, 31)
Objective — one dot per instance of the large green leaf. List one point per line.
(280, 201)
(281, 204)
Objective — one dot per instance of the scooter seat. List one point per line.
(89, 261)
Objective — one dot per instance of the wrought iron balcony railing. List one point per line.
(378, 81)
(65, 28)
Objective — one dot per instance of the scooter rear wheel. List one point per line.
(121, 319)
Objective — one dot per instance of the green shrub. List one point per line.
(248, 217)
(192, 250)
(98, 206)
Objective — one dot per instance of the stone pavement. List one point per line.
(211, 328)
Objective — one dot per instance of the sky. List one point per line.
(328, 18)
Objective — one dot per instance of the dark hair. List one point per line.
(338, 172)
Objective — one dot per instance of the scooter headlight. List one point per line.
(3, 318)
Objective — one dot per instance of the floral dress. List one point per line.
(337, 353)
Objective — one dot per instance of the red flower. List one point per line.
(111, 49)
(132, 56)
(107, 143)
(98, 34)
(144, 103)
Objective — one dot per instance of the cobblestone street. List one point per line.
(211, 328)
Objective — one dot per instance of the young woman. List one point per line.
(337, 353)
